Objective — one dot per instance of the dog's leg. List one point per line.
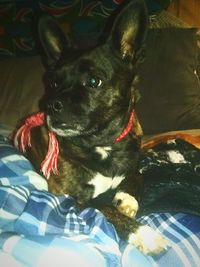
(141, 236)
(125, 199)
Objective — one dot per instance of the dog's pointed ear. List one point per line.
(53, 39)
(130, 28)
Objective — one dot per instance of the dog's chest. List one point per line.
(103, 183)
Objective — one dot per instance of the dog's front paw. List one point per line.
(126, 204)
(148, 241)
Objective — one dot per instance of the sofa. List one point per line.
(38, 228)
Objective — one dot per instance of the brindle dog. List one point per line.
(91, 96)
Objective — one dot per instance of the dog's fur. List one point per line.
(91, 96)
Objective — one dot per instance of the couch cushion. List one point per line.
(169, 85)
(21, 88)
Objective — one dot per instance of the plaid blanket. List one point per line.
(38, 228)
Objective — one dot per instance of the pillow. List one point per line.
(169, 85)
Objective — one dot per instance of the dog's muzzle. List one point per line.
(56, 124)
(62, 128)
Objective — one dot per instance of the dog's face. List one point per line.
(92, 91)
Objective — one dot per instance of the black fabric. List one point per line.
(171, 174)
(169, 86)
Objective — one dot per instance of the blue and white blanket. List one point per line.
(40, 229)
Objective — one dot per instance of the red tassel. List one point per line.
(50, 162)
(127, 129)
(22, 137)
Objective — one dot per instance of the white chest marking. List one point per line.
(103, 183)
(103, 151)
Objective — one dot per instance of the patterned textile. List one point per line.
(38, 228)
(79, 18)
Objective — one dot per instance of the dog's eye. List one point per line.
(93, 82)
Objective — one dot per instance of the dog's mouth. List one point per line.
(66, 130)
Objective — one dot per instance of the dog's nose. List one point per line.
(56, 106)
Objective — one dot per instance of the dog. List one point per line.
(89, 105)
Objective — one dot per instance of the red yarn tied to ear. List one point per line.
(22, 139)
(127, 129)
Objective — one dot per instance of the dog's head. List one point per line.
(92, 91)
